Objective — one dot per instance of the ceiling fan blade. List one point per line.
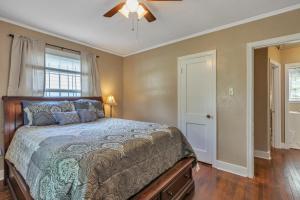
(114, 10)
(149, 16)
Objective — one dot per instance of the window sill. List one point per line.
(294, 102)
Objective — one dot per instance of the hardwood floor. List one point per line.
(4, 192)
(277, 179)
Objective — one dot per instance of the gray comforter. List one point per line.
(107, 159)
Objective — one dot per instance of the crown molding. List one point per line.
(59, 36)
(230, 25)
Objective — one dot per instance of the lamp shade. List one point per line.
(111, 100)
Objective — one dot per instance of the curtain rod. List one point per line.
(59, 47)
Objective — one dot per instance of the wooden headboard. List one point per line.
(13, 112)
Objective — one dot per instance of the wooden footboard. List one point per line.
(18, 188)
(175, 184)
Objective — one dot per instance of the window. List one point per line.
(294, 84)
(63, 73)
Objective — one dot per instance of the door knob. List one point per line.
(208, 116)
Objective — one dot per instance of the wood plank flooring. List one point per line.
(277, 179)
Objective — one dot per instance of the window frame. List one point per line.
(288, 85)
(62, 71)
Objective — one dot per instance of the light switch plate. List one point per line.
(231, 92)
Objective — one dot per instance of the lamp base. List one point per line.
(110, 111)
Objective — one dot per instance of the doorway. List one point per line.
(197, 103)
(251, 47)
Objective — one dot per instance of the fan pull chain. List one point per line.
(132, 23)
(137, 29)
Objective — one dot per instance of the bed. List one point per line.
(106, 159)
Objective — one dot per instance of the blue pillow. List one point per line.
(89, 104)
(81, 104)
(39, 113)
(64, 118)
(87, 115)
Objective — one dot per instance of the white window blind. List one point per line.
(62, 73)
(294, 84)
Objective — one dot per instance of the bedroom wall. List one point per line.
(150, 79)
(261, 100)
(110, 66)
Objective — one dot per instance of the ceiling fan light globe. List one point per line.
(141, 12)
(132, 5)
(124, 11)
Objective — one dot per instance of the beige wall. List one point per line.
(150, 79)
(261, 100)
(110, 66)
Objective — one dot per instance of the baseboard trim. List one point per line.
(1, 175)
(262, 154)
(294, 146)
(231, 168)
(284, 146)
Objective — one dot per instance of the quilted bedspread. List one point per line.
(109, 159)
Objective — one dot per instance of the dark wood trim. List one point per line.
(16, 184)
(163, 183)
(177, 180)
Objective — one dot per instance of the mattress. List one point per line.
(110, 159)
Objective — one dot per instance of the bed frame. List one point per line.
(176, 183)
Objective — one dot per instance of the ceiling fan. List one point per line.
(133, 6)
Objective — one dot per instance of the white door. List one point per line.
(197, 102)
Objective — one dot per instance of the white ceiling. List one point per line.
(82, 20)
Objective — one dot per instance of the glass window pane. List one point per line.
(63, 74)
(294, 84)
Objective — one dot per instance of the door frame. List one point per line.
(286, 102)
(276, 137)
(212, 53)
(250, 91)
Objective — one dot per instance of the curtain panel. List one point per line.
(27, 71)
(90, 75)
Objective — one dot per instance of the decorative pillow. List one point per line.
(40, 113)
(64, 118)
(87, 115)
(81, 104)
(89, 104)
